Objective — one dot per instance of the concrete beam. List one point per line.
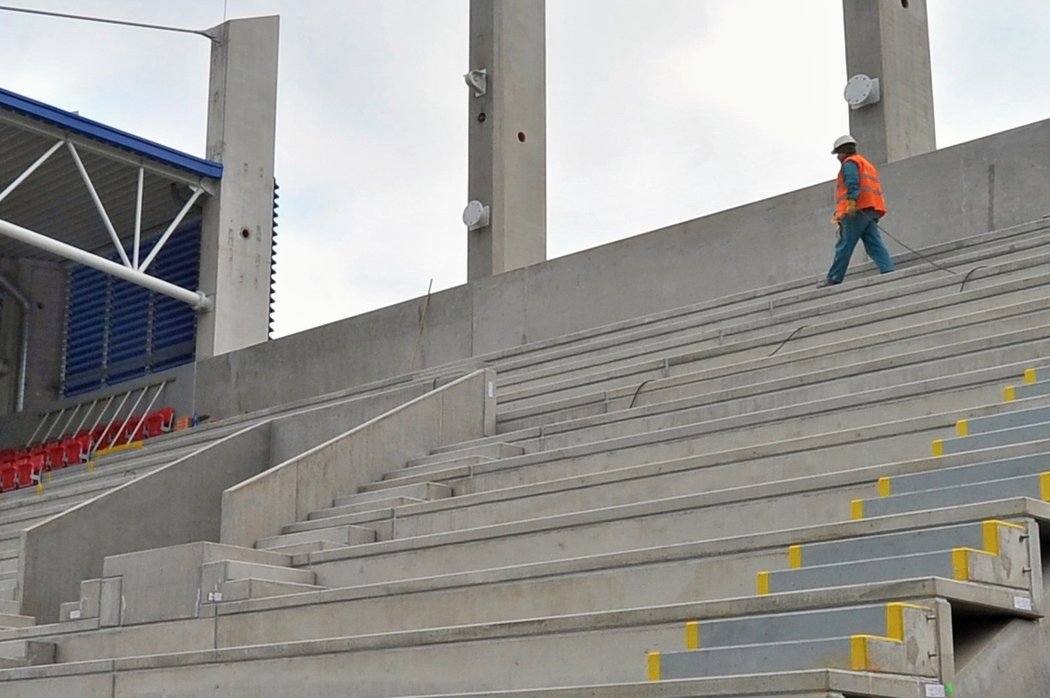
(890, 40)
(238, 221)
(508, 135)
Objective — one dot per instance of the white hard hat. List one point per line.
(841, 141)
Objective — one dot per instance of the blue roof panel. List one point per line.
(109, 135)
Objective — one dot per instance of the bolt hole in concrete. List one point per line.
(245, 233)
(521, 136)
(481, 118)
(904, 4)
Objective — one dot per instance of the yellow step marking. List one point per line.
(795, 556)
(762, 583)
(856, 509)
(654, 666)
(895, 619)
(119, 448)
(1044, 486)
(692, 635)
(1029, 375)
(885, 489)
(962, 428)
(1009, 394)
(938, 447)
(990, 533)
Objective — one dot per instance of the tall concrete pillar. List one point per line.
(890, 40)
(238, 221)
(508, 135)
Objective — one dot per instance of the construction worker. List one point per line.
(858, 207)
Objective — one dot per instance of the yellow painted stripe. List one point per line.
(762, 583)
(858, 652)
(856, 509)
(795, 556)
(885, 488)
(990, 536)
(1029, 375)
(961, 428)
(895, 619)
(938, 447)
(654, 666)
(40, 488)
(961, 564)
(1044, 486)
(90, 465)
(118, 449)
(692, 635)
(1009, 394)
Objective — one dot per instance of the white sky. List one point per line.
(659, 111)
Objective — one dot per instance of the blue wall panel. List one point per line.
(117, 331)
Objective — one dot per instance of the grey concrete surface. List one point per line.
(260, 506)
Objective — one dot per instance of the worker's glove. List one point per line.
(851, 207)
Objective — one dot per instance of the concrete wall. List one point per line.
(974, 187)
(261, 506)
(177, 504)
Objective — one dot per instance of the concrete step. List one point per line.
(252, 588)
(382, 491)
(684, 375)
(762, 332)
(490, 451)
(885, 620)
(985, 469)
(961, 564)
(990, 536)
(306, 548)
(876, 330)
(788, 295)
(440, 465)
(366, 508)
(14, 620)
(339, 535)
(372, 520)
(1036, 486)
(1022, 416)
(988, 439)
(890, 372)
(856, 411)
(701, 569)
(858, 653)
(22, 653)
(215, 573)
(747, 509)
(735, 470)
(866, 638)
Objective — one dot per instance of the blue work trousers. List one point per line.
(860, 226)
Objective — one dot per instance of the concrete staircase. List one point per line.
(741, 496)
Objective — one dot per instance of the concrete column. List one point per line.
(508, 135)
(890, 40)
(238, 221)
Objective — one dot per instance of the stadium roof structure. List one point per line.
(78, 189)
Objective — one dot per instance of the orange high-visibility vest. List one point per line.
(870, 189)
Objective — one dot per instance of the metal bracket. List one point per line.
(478, 80)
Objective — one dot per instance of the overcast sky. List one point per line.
(658, 111)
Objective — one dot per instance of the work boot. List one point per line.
(825, 282)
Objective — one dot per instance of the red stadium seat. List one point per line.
(55, 456)
(8, 477)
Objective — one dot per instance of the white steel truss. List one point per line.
(130, 270)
